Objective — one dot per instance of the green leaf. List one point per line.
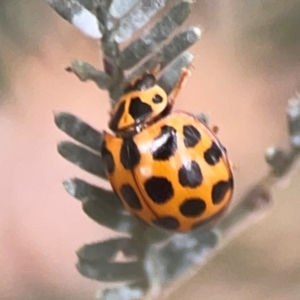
(169, 52)
(108, 249)
(79, 130)
(85, 71)
(101, 212)
(84, 191)
(101, 205)
(135, 18)
(83, 158)
(143, 46)
(110, 272)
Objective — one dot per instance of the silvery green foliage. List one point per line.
(153, 258)
(115, 23)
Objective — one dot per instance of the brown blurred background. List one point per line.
(247, 66)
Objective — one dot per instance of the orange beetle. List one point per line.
(168, 168)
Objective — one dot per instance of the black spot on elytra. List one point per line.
(165, 144)
(157, 99)
(129, 155)
(139, 110)
(170, 223)
(191, 136)
(206, 223)
(192, 207)
(114, 122)
(219, 191)
(107, 158)
(130, 197)
(213, 154)
(190, 174)
(159, 189)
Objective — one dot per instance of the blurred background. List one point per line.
(246, 67)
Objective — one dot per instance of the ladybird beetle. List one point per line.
(168, 168)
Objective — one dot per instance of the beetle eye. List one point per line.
(157, 99)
